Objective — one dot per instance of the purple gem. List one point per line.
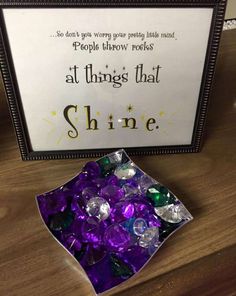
(52, 203)
(142, 208)
(136, 256)
(153, 221)
(92, 169)
(82, 176)
(112, 193)
(74, 229)
(93, 254)
(122, 211)
(72, 243)
(117, 238)
(99, 182)
(112, 180)
(80, 185)
(91, 231)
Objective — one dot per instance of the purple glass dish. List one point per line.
(112, 217)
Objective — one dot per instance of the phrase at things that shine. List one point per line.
(114, 77)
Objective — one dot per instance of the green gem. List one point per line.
(106, 166)
(120, 268)
(61, 221)
(159, 195)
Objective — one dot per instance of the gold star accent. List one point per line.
(130, 108)
(98, 113)
(161, 113)
(54, 113)
(110, 117)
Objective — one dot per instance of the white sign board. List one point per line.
(95, 78)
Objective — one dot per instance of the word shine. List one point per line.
(117, 78)
(93, 124)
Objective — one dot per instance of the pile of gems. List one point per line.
(112, 217)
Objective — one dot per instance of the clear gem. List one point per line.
(98, 207)
(130, 190)
(125, 171)
(149, 237)
(139, 226)
(89, 192)
(145, 182)
(173, 213)
(116, 157)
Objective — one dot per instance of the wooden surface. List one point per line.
(197, 260)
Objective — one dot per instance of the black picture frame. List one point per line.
(13, 95)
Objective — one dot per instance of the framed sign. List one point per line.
(86, 77)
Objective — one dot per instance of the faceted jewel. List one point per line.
(125, 171)
(159, 195)
(149, 237)
(98, 207)
(173, 213)
(139, 226)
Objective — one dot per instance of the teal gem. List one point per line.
(159, 195)
(120, 268)
(61, 221)
(107, 167)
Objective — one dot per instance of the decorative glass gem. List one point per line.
(112, 180)
(72, 243)
(106, 166)
(98, 207)
(153, 221)
(130, 190)
(120, 268)
(122, 211)
(92, 169)
(112, 218)
(89, 192)
(145, 182)
(128, 224)
(125, 171)
(116, 157)
(94, 254)
(116, 238)
(150, 236)
(173, 213)
(112, 193)
(91, 231)
(61, 221)
(159, 195)
(139, 226)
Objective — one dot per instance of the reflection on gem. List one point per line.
(117, 238)
(125, 171)
(173, 213)
(149, 237)
(159, 195)
(139, 226)
(98, 207)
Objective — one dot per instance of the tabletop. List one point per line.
(197, 260)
